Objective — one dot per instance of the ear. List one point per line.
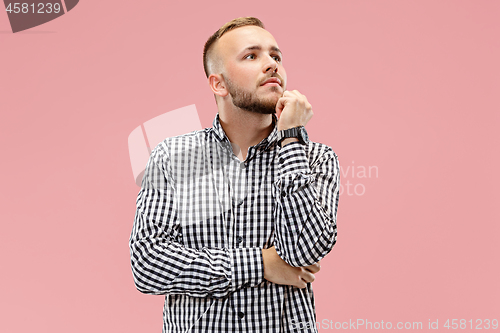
(217, 84)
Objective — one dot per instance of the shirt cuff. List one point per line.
(293, 159)
(247, 267)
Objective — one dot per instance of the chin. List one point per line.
(278, 91)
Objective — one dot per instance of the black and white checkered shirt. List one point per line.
(203, 218)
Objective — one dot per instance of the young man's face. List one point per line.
(252, 68)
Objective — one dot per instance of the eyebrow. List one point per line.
(257, 47)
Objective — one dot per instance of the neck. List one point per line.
(244, 128)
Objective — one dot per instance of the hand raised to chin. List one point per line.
(293, 110)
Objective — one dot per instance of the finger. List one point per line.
(314, 268)
(301, 284)
(307, 276)
(280, 105)
(298, 94)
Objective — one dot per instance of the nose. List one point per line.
(271, 65)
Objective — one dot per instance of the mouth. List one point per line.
(272, 82)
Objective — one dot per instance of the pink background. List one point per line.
(408, 87)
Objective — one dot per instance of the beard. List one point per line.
(247, 101)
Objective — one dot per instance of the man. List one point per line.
(232, 221)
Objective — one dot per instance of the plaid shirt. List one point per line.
(203, 218)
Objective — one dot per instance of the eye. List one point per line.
(250, 56)
(277, 58)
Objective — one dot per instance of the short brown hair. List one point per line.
(233, 24)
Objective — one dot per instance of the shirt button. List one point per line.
(282, 161)
(239, 239)
(242, 165)
(283, 194)
(240, 202)
(241, 315)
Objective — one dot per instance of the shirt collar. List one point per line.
(269, 140)
(218, 130)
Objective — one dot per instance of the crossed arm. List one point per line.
(305, 233)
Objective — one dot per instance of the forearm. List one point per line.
(161, 265)
(306, 204)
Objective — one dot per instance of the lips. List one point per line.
(272, 81)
